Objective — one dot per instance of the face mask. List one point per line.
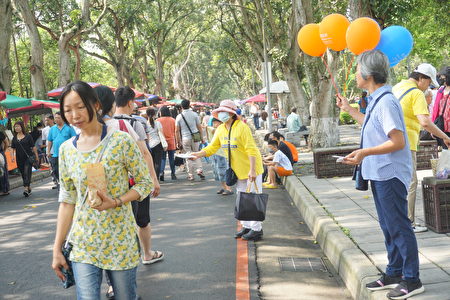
(271, 151)
(223, 116)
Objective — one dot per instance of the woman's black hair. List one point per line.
(22, 125)
(151, 113)
(106, 98)
(165, 112)
(87, 95)
(417, 76)
(273, 143)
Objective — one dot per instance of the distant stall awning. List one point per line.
(37, 107)
(57, 92)
(12, 102)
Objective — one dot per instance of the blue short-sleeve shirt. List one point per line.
(386, 116)
(58, 136)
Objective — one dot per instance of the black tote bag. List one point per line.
(251, 206)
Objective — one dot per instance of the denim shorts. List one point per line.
(88, 280)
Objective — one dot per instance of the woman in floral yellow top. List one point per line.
(104, 236)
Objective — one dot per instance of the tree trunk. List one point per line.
(5, 37)
(324, 130)
(64, 59)
(297, 97)
(159, 84)
(37, 52)
(76, 51)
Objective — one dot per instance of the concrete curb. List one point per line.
(350, 262)
(36, 176)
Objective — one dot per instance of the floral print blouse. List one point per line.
(106, 239)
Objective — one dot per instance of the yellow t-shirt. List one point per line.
(242, 146)
(413, 104)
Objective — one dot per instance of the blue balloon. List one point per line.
(396, 42)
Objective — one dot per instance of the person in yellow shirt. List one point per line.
(410, 93)
(246, 160)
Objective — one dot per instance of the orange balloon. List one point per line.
(309, 41)
(363, 34)
(332, 31)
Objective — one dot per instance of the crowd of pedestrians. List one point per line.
(98, 129)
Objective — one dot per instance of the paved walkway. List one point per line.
(345, 224)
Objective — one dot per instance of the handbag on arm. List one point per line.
(251, 206)
(362, 184)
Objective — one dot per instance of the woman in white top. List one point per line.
(154, 141)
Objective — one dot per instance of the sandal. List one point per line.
(220, 191)
(157, 256)
(227, 193)
(191, 178)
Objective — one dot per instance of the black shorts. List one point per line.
(141, 211)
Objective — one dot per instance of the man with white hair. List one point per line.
(410, 93)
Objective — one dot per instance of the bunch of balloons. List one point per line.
(363, 34)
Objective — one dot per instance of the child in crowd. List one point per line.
(219, 160)
(279, 165)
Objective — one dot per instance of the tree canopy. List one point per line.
(204, 50)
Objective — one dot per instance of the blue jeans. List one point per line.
(88, 280)
(220, 166)
(171, 154)
(401, 244)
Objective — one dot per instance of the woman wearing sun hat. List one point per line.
(246, 159)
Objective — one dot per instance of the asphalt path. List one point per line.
(192, 225)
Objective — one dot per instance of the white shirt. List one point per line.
(153, 134)
(45, 133)
(282, 160)
(113, 125)
(192, 119)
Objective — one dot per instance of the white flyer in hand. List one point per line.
(184, 155)
(338, 158)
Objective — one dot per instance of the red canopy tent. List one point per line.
(256, 98)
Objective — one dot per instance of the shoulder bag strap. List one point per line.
(23, 149)
(404, 94)
(186, 123)
(445, 105)
(229, 147)
(98, 159)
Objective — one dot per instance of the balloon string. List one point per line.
(331, 75)
(348, 73)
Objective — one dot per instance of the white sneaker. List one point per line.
(418, 228)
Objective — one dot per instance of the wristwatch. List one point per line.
(120, 202)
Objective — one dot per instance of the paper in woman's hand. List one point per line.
(96, 178)
(185, 155)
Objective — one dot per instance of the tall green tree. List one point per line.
(5, 36)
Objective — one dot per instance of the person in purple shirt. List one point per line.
(385, 160)
(59, 133)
